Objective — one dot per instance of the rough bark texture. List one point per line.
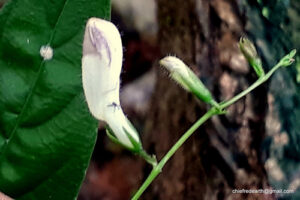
(224, 154)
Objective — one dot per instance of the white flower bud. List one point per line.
(185, 77)
(101, 68)
(175, 65)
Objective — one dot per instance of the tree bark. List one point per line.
(224, 154)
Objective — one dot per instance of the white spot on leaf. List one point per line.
(46, 52)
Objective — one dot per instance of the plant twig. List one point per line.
(215, 110)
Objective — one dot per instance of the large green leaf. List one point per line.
(46, 132)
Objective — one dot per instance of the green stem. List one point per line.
(157, 169)
(149, 159)
(257, 83)
(213, 111)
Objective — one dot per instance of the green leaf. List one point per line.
(46, 132)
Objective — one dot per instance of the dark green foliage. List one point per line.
(46, 132)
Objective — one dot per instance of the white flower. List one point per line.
(101, 68)
(101, 65)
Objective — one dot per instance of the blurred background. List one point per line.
(256, 145)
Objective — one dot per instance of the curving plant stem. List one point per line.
(158, 168)
(211, 112)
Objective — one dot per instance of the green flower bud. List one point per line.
(250, 53)
(288, 59)
(185, 77)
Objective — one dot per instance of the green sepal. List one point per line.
(138, 149)
(257, 66)
(198, 88)
(113, 138)
(137, 146)
(151, 159)
(194, 85)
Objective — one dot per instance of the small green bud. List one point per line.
(288, 59)
(185, 77)
(250, 53)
